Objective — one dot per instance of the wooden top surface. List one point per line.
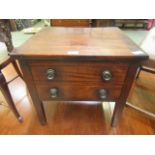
(79, 42)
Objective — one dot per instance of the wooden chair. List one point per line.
(5, 37)
(148, 45)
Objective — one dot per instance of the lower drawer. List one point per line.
(78, 92)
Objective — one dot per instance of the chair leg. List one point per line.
(5, 90)
(17, 68)
(138, 72)
(9, 45)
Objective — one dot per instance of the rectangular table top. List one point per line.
(61, 42)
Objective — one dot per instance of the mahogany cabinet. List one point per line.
(79, 64)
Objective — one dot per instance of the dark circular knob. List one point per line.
(54, 92)
(103, 93)
(106, 75)
(50, 74)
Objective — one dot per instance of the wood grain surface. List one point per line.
(78, 80)
(79, 42)
(79, 71)
(78, 56)
(70, 22)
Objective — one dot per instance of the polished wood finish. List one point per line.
(33, 92)
(15, 65)
(5, 36)
(80, 43)
(5, 90)
(78, 56)
(83, 71)
(64, 119)
(70, 22)
(72, 77)
(119, 106)
(72, 92)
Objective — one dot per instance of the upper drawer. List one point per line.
(91, 72)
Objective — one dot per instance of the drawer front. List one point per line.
(79, 72)
(78, 92)
(78, 81)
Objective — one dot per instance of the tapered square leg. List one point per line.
(117, 113)
(120, 103)
(38, 104)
